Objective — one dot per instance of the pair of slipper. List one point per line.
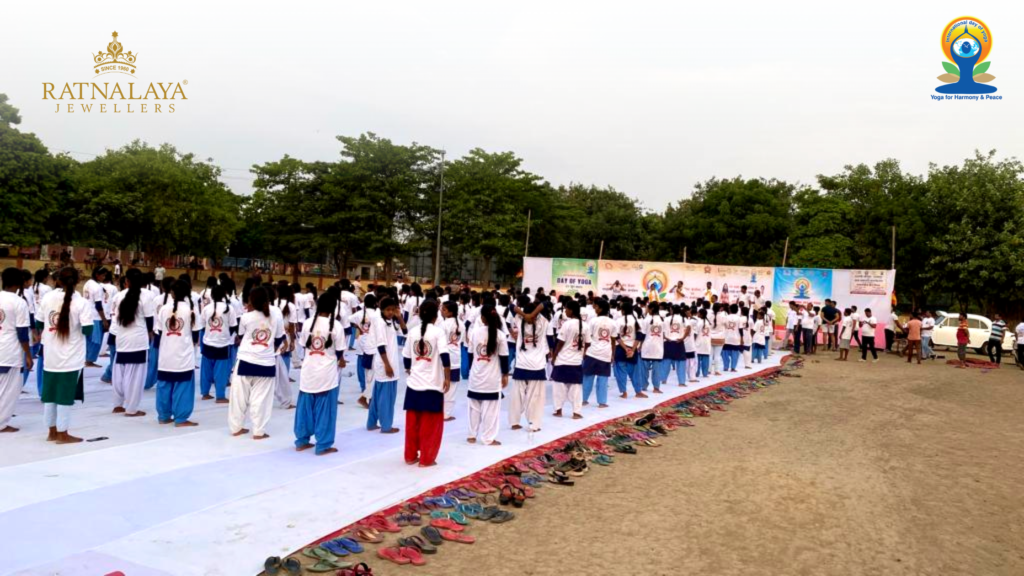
(560, 478)
(360, 569)
(419, 543)
(408, 520)
(495, 515)
(325, 561)
(457, 517)
(381, 524)
(274, 565)
(437, 537)
(402, 555)
(342, 546)
(439, 502)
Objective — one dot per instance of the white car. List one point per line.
(979, 328)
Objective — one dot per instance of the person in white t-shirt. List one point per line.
(702, 341)
(927, 327)
(260, 334)
(652, 349)
(427, 379)
(130, 331)
(759, 350)
(867, 335)
(316, 412)
(846, 330)
(597, 362)
(383, 338)
(362, 324)
(567, 374)
(94, 293)
(66, 322)
(529, 377)
(488, 376)
(220, 326)
(15, 352)
(453, 330)
(1019, 333)
(176, 334)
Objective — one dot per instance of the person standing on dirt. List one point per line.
(831, 316)
(995, 339)
(927, 325)
(913, 330)
(1020, 344)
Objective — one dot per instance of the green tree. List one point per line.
(823, 231)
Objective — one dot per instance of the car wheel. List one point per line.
(980, 352)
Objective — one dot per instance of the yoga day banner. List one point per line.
(572, 275)
(869, 282)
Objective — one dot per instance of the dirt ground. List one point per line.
(852, 468)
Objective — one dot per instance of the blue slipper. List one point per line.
(350, 545)
(335, 548)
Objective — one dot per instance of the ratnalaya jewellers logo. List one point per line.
(115, 97)
(966, 44)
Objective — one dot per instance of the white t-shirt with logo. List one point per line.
(93, 293)
(426, 372)
(384, 333)
(13, 315)
(177, 352)
(320, 365)
(571, 353)
(218, 328)
(603, 332)
(454, 333)
(485, 373)
(64, 355)
(258, 333)
(135, 336)
(532, 345)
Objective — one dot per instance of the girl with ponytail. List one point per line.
(384, 339)
(365, 348)
(427, 365)
(652, 350)
(627, 363)
(453, 330)
(177, 333)
(220, 326)
(66, 323)
(488, 376)
(675, 351)
(316, 414)
(529, 377)
(260, 334)
(597, 363)
(129, 343)
(567, 374)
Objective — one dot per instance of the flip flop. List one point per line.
(417, 508)
(433, 535)
(419, 543)
(351, 545)
(292, 566)
(393, 554)
(360, 569)
(326, 566)
(446, 524)
(318, 553)
(502, 516)
(413, 555)
(489, 512)
(471, 510)
(334, 548)
(368, 535)
(456, 537)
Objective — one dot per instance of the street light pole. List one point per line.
(440, 204)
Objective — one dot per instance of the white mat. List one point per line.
(198, 501)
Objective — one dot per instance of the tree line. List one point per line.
(959, 228)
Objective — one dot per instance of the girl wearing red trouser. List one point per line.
(427, 365)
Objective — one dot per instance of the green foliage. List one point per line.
(948, 67)
(982, 68)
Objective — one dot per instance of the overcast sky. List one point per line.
(648, 97)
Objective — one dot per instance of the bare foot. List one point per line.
(658, 391)
(602, 405)
(449, 419)
(105, 381)
(92, 365)
(372, 428)
(207, 397)
(641, 395)
(411, 462)
(517, 427)
(185, 424)
(292, 407)
(263, 437)
(558, 413)
(166, 421)
(390, 431)
(136, 414)
(428, 465)
(330, 450)
(303, 447)
(495, 443)
(240, 432)
(8, 429)
(364, 403)
(52, 436)
(577, 417)
(118, 410)
(225, 401)
(65, 438)
(586, 403)
(471, 440)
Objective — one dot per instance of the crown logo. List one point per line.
(115, 59)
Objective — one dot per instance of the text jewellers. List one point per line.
(91, 90)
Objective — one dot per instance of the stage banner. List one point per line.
(572, 275)
(676, 282)
(800, 285)
(728, 281)
(873, 282)
(639, 279)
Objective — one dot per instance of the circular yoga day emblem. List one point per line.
(317, 344)
(174, 325)
(261, 336)
(481, 353)
(216, 324)
(655, 283)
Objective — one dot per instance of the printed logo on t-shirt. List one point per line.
(675, 328)
(424, 351)
(604, 335)
(453, 339)
(364, 327)
(317, 346)
(481, 353)
(261, 337)
(175, 326)
(655, 329)
(2, 318)
(216, 324)
(52, 320)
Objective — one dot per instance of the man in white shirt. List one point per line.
(927, 326)
(1019, 332)
(890, 330)
(159, 272)
(792, 319)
